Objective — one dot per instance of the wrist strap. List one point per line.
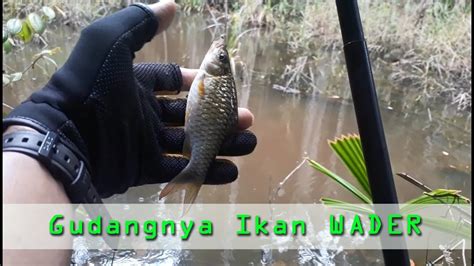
(62, 163)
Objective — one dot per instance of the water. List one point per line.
(289, 127)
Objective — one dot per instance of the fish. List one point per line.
(211, 115)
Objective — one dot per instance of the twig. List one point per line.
(214, 19)
(45, 44)
(7, 106)
(282, 183)
(425, 188)
(113, 257)
(32, 65)
(244, 32)
(415, 182)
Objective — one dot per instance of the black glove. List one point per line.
(105, 109)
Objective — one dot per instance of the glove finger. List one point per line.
(172, 110)
(159, 77)
(221, 171)
(115, 38)
(237, 144)
(133, 26)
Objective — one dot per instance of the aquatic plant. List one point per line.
(19, 32)
(27, 22)
(349, 151)
(76, 14)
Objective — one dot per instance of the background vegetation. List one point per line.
(426, 44)
(423, 45)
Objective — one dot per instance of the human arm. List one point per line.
(114, 122)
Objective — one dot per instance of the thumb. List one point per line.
(164, 11)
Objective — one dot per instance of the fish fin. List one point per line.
(187, 146)
(188, 181)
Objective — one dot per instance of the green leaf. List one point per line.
(437, 196)
(449, 226)
(349, 151)
(7, 46)
(359, 194)
(26, 33)
(14, 26)
(5, 35)
(36, 23)
(48, 12)
(342, 205)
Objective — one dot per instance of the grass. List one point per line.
(424, 45)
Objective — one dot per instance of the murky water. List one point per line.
(289, 127)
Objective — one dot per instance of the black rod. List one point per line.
(369, 122)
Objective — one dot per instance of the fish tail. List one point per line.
(189, 181)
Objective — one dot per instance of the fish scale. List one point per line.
(211, 115)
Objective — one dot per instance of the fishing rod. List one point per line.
(370, 125)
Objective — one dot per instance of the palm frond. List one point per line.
(343, 205)
(349, 150)
(355, 191)
(437, 196)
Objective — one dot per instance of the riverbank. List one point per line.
(425, 45)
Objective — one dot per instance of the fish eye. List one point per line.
(222, 57)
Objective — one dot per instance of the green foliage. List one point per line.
(14, 26)
(447, 196)
(425, 45)
(5, 35)
(36, 23)
(19, 32)
(342, 205)
(437, 196)
(349, 150)
(24, 30)
(26, 33)
(341, 181)
(49, 13)
(7, 46)
(43, 55)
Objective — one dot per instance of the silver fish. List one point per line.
(211, 114)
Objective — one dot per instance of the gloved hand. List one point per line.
(104, 107)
